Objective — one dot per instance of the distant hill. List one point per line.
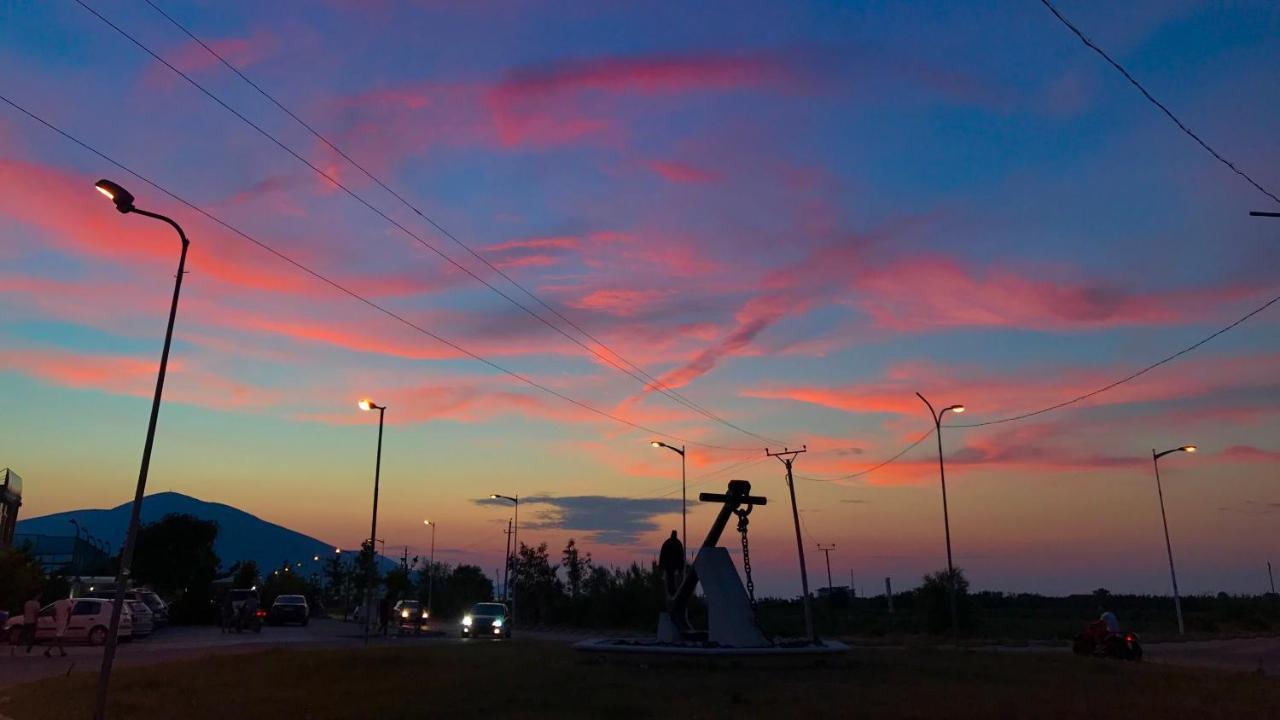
(241, 536)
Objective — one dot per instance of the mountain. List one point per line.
(241, 536)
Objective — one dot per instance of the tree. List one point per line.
(935, 601)
(336, 574)
(536, 588)
(21, 578)
(246, 574)
(576, 568)
(175, 557)
(398, 583)
(285, 581)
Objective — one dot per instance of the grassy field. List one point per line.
(533, 679)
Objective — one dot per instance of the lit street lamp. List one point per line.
(431, 567)
(515, 546)
(684, 508)
(368, 405)
(1173, 575)
(946, 517)
(124, 203)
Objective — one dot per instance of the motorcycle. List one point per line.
(1097, 641)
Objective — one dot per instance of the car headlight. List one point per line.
(404, 613)
(497, 623)
(466, 621)
(425, 614)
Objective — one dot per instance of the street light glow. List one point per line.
(116, 194)
(1189, 448)
(366, 404)
(655, 443)
(956, 408)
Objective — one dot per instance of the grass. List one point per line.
(545, 680)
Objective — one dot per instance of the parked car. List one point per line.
(289, 609)
(486, 620)
(143, 619)
(88, 622)
(159, 610)
(410, 616)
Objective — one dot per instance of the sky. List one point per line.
(794, 215)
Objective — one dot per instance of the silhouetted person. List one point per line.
(228, 613)
(384, 614)
(1109, 619)
(61, 615)
(671, 561)
(30, 618)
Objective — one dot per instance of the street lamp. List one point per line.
(431, 567)
(368, 405)
(515, 543)
(1173, 575)
(123, 200)
(946, 517)
(684, 508)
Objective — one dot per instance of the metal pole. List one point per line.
(888, 593)
(431, 571)
(515, 549)
(373, 529)
(795, 517)
(827, 551)
(684, 510)
(1271, 578)
(1173, 575)
(126, 554)
(506, 572)
(946, 524)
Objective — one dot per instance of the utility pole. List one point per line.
(506, 575)
(826, 550)
(404, 560)
(888, 593)
(1271, 577)
(788, 458)
(853, 589)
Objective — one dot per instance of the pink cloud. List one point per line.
(620, 302)
(683, 173)
(1248, 453)
(932, 292)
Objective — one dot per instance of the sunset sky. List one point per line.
(795, 214)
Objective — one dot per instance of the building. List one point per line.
(10, 501)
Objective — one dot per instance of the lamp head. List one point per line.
(427, 522)
(1189, 448)
(956, 408)
(116, 194)
(366, 405)
(655, 443)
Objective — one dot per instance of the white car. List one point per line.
(144, 621)
(89, 620)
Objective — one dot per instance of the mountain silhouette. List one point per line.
(241, 536)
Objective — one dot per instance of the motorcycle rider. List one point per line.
(1108, 619)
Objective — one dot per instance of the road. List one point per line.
(177, 643)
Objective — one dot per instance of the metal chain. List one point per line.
(746, 556)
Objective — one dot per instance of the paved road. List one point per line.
(177, 643)
(1249, 654)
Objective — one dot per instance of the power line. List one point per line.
(1072, 401)
(1127, 378)
(355, 295)
(652, 381)
(648, 384)
(1156, 102)
(876, 467)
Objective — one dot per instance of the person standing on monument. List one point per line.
(671, 562)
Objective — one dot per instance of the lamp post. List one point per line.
(431, 567)
(123, 200)
(515, 542)
(1264, 213)
(946, 517)
(684, 506)
(1173, 575)
(75, 549)
(367, 405)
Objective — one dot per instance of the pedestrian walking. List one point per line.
(61, 615)
(30, 620)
